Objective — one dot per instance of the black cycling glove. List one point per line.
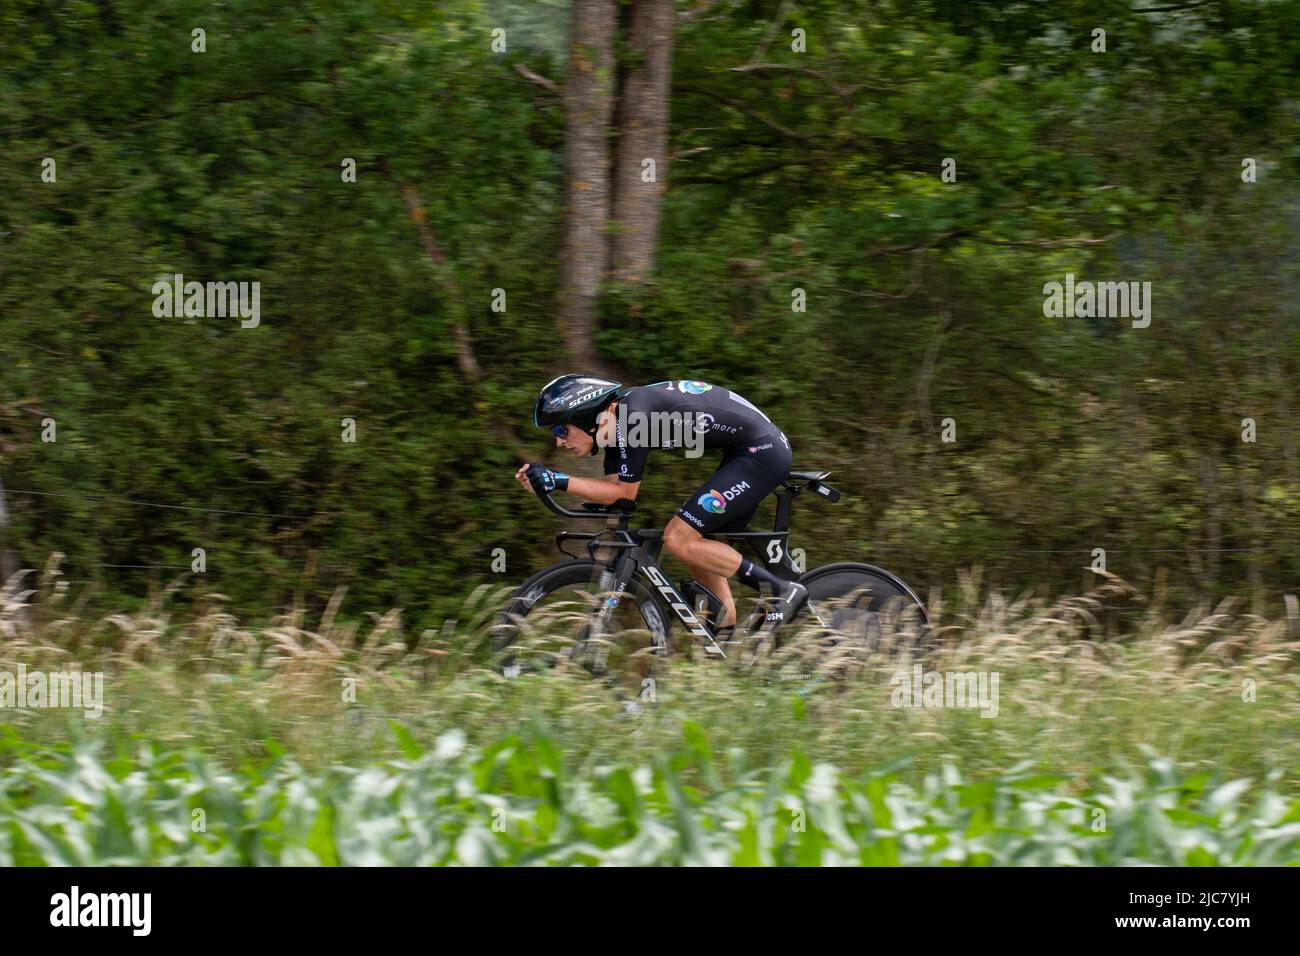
(545, 480)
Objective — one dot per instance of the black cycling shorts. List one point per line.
(747, 475)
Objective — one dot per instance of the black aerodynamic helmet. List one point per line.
(574, 400)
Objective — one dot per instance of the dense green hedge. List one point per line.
(924, 298)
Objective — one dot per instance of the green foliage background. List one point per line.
(924, 298)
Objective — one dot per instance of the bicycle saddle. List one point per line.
(808, 475)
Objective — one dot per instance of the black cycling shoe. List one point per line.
(782, 607)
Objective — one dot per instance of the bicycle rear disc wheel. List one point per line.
(862, 606)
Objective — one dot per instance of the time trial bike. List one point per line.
(619, 589)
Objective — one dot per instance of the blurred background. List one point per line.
(852, 213)
(793, 237)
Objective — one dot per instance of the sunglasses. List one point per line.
(561, 431)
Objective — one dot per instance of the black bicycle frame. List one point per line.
(639, 551)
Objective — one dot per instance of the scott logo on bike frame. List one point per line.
(688, 618)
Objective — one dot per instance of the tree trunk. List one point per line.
(465, 358)
(643, 113)
(588, 106)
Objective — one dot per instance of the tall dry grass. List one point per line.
(1085, 684)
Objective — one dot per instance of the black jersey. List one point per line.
(685, 414)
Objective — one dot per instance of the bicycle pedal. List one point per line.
(728, 637)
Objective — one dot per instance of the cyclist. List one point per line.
(587, 412)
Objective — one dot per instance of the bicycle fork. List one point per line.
(612, 588)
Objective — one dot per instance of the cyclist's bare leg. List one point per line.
(711, 562)
(719, 585)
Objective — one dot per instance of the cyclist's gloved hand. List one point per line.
(544, 480)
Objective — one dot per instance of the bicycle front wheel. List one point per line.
(554, 615)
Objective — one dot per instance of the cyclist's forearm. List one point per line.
(600, 492)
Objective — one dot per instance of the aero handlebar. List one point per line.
(624, 506)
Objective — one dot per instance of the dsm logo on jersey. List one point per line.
(693, 388)
(715, 502)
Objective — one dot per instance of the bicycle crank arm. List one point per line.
(812, 609)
